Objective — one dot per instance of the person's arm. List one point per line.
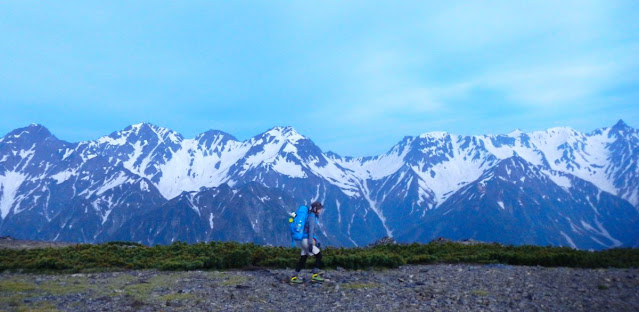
(316, 232)
(311, 231)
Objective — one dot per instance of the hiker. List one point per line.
(310, 246)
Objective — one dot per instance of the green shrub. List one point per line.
(421, 259)
(231, 255)
(185, 265)
(50, 263)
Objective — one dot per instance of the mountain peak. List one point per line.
(145, 126)
(514, 166)
(620, 123)
(620, 129)
(283, 129)
(515, 133)
(213, 134)
(141, 131)
(32, 131)
(289, 133)
(566, 130)
(515, 159)
(621, 126)
(36, 128)
(434, 135)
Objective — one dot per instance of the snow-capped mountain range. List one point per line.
(149, 184)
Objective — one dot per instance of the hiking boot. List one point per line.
(295, 280)
(318, 271)
(316, 278)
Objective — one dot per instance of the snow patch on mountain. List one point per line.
(268, 155)
(137, 152)
(376, 210)
(376, 168)
(192, 167)
(501, 205)
(446, 177)
(10, 182)
(561, 180)
(68, 152)
(62, 176)
(144, 187)
(191, 200)
(118, 180)
(604, 232)
(568, 239)
(437, 135)
(119, 141)
(583, 156)
(336, 175)
(27, 156)
(288, 168)
(285, 133)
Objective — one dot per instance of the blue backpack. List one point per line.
(297, 224)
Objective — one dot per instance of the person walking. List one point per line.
(310, 246)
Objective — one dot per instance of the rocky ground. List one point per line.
(11, 243)
(409, 288)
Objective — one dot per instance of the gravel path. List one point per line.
(409, 288)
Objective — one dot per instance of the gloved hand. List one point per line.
(318, 244)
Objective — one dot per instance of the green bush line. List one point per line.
(231, 255)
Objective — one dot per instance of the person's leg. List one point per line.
(318, 262)
(300, 264)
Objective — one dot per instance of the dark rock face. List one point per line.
(151, 185)
(250, 214)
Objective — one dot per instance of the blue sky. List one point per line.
(354, 76)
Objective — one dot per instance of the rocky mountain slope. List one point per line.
(151, 185)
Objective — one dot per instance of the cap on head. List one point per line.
(316, 205)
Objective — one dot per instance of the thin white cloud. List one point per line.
(533, 54)
(549, 85)
(562, 81)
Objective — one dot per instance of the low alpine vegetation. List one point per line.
(231, 255)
